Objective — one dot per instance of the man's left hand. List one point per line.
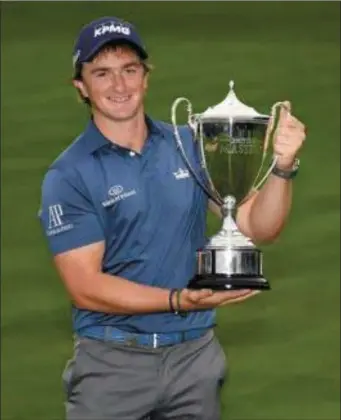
(288, 138)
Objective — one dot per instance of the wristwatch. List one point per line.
(287, 173)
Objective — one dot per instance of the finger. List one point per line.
(284, 115)
(245, 297)
(287, 106)
(197, 295)
(247, 294)
(289, 133)
(289, 142)
(298, 124)
(231, 294)
(284, 142)
(293, 122)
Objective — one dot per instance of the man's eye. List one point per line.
(101, 74)
(131, 70)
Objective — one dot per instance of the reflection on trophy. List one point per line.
(232, 142)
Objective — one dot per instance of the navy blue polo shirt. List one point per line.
(148, 209)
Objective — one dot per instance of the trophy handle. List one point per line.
(275, 113)
(216, 198)
(193, 124)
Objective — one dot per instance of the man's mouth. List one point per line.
(119, 99)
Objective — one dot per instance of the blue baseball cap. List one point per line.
(99, 32)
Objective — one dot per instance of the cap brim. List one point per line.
(115, 40)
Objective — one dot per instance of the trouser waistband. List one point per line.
(108, 333)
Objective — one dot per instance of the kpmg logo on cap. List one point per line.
(111, 27)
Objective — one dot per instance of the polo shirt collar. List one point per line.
(94, 139)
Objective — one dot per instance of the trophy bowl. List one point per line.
(232, 142)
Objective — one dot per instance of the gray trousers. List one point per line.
(106, 380)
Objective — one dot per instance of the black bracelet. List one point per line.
(179, 311)
(284, 174)
(289, 173)
(171, 306)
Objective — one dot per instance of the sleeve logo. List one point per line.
(55, 221)
(55, 216)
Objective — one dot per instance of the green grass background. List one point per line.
(283, 347)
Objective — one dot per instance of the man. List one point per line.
(124, 229)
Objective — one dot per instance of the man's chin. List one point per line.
(121, 116)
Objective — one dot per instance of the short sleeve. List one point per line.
(67, 215)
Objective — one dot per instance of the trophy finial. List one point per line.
(231, 107)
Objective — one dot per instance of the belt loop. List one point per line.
(107, 333)
(155, 343)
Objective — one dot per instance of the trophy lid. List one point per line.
(231, 107)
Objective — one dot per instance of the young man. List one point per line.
(124, 230)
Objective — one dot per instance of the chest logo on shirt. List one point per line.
(181, 174)
(115, 190)
(116, 193)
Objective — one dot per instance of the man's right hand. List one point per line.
(208, 299)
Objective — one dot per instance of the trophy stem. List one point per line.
(230, 236)
(229, 226)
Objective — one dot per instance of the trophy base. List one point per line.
(229, 268)
(224, 282)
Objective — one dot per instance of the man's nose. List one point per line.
(118, 82)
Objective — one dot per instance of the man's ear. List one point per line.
(145, 81)
(79, 85)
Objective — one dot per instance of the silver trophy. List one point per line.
(232, 142)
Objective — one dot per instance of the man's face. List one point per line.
(115, 83)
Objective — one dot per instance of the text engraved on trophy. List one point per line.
(240, 148)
